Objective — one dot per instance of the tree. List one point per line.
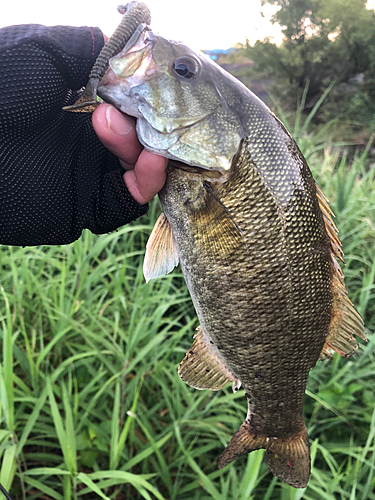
(292, 17)
(323, 41)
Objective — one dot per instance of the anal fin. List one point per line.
(203, 369)
(287, 458)
(161, 251)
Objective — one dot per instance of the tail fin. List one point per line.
(287, 458)
(245, 440)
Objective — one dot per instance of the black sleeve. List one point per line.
(56, 178)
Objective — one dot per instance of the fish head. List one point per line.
(178, 98)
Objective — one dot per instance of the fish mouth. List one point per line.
(137, 55)
(131, 67)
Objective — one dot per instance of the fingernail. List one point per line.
(116, 122)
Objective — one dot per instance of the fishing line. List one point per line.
(5, 493)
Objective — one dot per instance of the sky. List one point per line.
(202, 24)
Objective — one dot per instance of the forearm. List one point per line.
(56, 178)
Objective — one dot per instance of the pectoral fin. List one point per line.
(203, 369)
(217, 233)
(161, 251)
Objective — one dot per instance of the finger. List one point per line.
(147, 178)
(117, 132)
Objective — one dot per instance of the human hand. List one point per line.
(145, 172)
(57, 177)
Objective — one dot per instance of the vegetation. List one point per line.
(91, 405)
(325, 42)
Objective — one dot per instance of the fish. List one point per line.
(253, 234)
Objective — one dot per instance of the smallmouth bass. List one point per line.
(254, 236)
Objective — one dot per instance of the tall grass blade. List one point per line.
(7, 372)
(85, 479)
(8, 466)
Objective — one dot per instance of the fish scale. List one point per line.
(254, 236)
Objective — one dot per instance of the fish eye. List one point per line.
(185, 67)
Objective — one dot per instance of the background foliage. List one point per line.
(325, 42)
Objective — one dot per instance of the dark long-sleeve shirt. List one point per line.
(56, 178)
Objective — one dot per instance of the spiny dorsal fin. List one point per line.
(345, 321)
(202, 369)
(161, 251)
(329, 224)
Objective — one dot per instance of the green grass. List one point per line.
(91, 405)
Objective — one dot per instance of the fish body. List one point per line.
(253, 234)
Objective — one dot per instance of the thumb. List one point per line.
(117, 133)
(147, 178)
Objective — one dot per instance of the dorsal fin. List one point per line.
(161, 251)
(330, 225)
(345, 321)
(203, 369)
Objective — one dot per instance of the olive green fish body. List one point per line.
(253, 234)
(264, 295)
